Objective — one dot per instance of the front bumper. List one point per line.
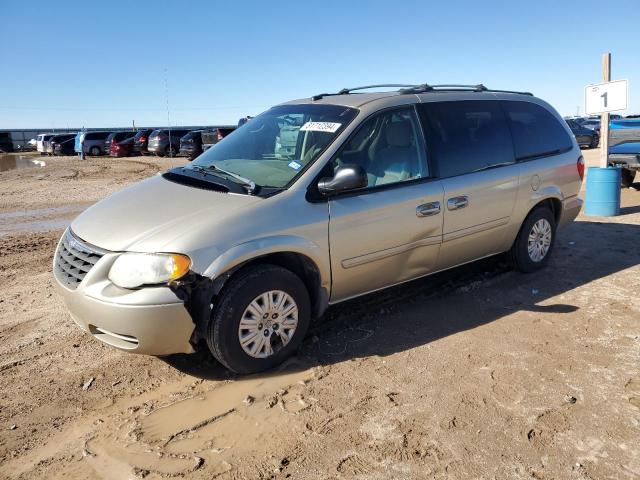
(151, 321)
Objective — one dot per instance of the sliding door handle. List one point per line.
(456, 203)
(428, 209)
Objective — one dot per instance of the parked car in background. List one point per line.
(244, 247)
(212, 136)
(626, 156)
(56, 140)
(592, 123)
(122, 148)
(166, 142)
(585, 137)
(191, 144)
(141, 141)
(65, 147)
(40, 139)
(6, 143)
(114, 138)
(93, 142)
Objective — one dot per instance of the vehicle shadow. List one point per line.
(632, 209)
(428, 309)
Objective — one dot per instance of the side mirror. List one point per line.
(347, 177)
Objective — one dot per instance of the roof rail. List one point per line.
(422, 88)
(425, 87)
(346, 91)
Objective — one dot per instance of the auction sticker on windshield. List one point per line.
(329, 127)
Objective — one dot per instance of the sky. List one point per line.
(106, 64)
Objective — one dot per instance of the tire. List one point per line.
(626, 177)
(595, 140)
(245, 289)
(94, 151)
(519, 255)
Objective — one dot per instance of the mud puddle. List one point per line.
(39, 219)
(14, 162)
(210, 428)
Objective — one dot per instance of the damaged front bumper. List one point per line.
(152, 320)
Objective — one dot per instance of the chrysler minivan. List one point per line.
(314, 202)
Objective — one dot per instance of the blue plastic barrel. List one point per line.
(603, 192)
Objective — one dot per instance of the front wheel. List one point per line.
(534, 243)
(260, 319)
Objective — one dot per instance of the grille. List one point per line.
(74, 259)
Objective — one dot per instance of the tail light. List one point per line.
(580, 167)
(142, 139)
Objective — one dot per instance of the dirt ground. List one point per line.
(476, 373)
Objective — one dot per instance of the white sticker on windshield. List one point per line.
(295, 165)
(329, 127)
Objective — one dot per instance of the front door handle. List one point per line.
(456, 203)
(428, 209)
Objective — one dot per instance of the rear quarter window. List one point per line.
(536, 132)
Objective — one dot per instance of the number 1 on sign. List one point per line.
(604, 96)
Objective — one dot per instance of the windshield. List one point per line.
(274, 147)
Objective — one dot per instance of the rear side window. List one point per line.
(536, 132)
(467, 136)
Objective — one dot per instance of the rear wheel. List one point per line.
(595, 140)
(94, 151)
(627, 176)
(534, 243)
(260, 319)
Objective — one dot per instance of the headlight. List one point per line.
(132, 270)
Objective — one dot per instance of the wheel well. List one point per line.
(303, 267)
(552, 204)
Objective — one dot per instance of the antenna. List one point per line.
(166, 94)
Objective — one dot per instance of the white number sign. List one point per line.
(605, 97)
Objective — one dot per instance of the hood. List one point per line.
(626, 147)
(148, 215)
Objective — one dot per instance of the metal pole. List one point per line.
(166, 92)
(604, 118)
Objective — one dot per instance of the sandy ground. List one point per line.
(477, 373)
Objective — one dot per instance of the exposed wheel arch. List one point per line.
(202, 296)
(303, 267)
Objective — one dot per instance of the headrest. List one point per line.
(399, 134)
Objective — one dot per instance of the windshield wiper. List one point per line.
(249, 184)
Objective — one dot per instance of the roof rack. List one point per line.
(346, 91)
(425, 87)
(422, 88)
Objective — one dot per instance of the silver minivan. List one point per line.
(314, 202)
